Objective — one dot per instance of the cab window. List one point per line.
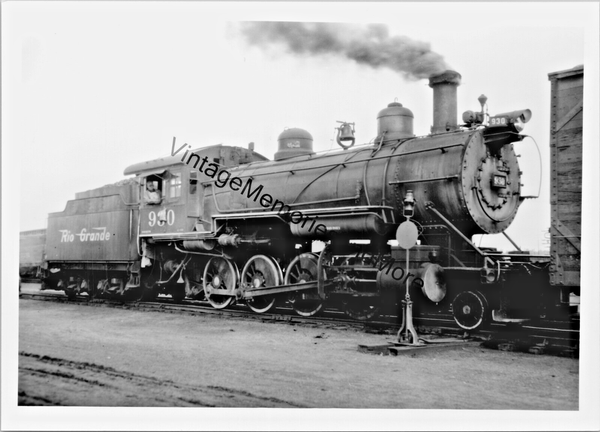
(153, 190)
(193, 182)
(175, 186)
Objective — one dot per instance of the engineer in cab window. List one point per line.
(151, 194)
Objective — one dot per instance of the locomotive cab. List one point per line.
(170, 202)
(172, 195)
(162, 201)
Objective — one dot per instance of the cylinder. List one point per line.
(394, 122)
(444, 101)
(432, 281)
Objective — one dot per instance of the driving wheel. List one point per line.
(219, 281)
(302, 269)
(261, 271)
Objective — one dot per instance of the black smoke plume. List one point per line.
(370, 45)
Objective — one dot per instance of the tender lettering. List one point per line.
(97, 234)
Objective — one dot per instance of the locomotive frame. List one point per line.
(223, 240)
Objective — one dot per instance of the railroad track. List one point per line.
(552, 337)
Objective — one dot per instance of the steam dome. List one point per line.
(294, 142)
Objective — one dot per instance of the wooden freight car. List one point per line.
(31, 252)
(566, 130)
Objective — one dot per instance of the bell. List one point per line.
(345, 133)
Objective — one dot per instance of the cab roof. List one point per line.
(161, 164)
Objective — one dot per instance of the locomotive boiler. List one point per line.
(226, 224)
(470, 174)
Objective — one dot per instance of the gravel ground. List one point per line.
(89, 356)
(122, 357)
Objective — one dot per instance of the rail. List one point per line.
(545, 336)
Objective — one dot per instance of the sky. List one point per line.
(95, 87)
(89, 88)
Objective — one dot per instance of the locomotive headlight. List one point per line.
(519, 124)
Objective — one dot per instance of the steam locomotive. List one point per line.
(226, 224)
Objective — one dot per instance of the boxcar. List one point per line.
(31, 252)
(566, 131)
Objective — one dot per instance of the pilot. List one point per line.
(151, 195)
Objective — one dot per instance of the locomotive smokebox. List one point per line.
(444, 101)
(294, 142)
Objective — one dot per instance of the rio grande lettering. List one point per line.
(100, 235)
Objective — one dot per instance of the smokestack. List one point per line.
(444, 101)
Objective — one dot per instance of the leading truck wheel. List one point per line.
(261, 271)
(470, 310)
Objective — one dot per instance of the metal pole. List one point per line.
(409, 318)
(407, 298)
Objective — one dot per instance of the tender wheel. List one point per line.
(261, 271)
(101, 288)
(222, 275)
(93, 290)
(304, 269)
(470, 310)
